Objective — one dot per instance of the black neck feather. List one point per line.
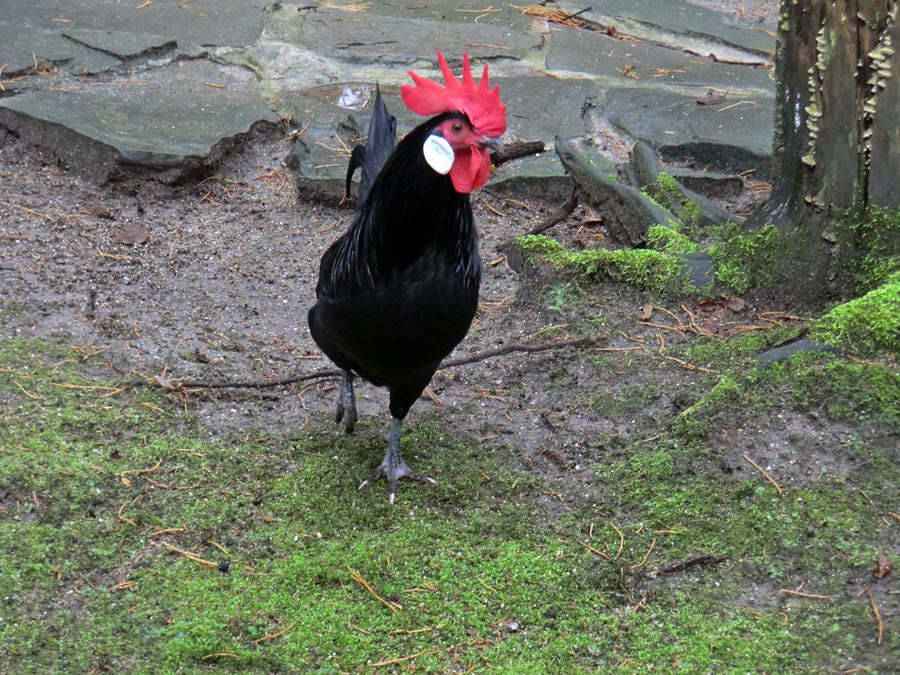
(409, 212)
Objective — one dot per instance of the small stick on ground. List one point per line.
(801, 594)
(358, 578)
(516, 150)
(680, 565)
(125, 519)
(646, 556)
(401, 659)
(621, 538)
(273, 636)
(594, 550)
(762, 471)
(877, 613)
(558, 215)
(35, 213)
(179, 385)
(190, 556)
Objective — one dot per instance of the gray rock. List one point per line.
(171, 118)
(698, 269)
(627, 214)
(684, 25)
(623, 63)
(786, 351)
(647, 170)
(122, 45)
(139, 84)
(727, 139)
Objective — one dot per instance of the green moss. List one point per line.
(667, 192)
(702, 417)
(872, 251)
(846, 391)
(656, 271)
(736, 353)
(493, 572)
(867, 325)
(669, 240)
(745, 260)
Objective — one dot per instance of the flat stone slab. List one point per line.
(87, 36)
(167, 85)
(733, 136)
(307, 48)
(168, 118)
(680, 24)
(625, 63)
(123, 45)
(21, 52)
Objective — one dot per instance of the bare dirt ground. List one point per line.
(211, 281)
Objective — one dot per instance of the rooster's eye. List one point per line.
(456, 127)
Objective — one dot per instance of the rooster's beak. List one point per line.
(494, 144)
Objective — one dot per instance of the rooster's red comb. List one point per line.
(480, 103)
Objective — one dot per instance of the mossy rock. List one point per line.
(867, 325)
(660, 273)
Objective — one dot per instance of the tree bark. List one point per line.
(836, 150)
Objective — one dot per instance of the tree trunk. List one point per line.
(837, 132)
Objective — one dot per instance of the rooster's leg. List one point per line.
(346, 407)
(393, 467)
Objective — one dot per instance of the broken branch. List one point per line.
(178, 385)
(560, 214)
(762, 471)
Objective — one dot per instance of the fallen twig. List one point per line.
(646, 556)
(560, 214)
(680, 565)
(516, 150)
(273, 636)
(358, 578)
(877, 613)
(801, 594)
(401, 659)
(190, 556)
(594, 550)
(181, 385)
(762, 471)
(35, 213)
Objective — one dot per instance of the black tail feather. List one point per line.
(378, 147)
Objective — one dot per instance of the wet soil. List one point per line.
(211, 281)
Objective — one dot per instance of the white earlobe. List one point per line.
(438, 154)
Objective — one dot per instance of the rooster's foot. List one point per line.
(394, 468)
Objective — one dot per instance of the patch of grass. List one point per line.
(669, 240)
(693, 493)
(735, 353)
(132, 542)
(866, 325)
(745, 260)
(655, 271)
(874, 256)
(667, 192)
(822, 538)
(846, 390)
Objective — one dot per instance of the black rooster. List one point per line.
(398, 291)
